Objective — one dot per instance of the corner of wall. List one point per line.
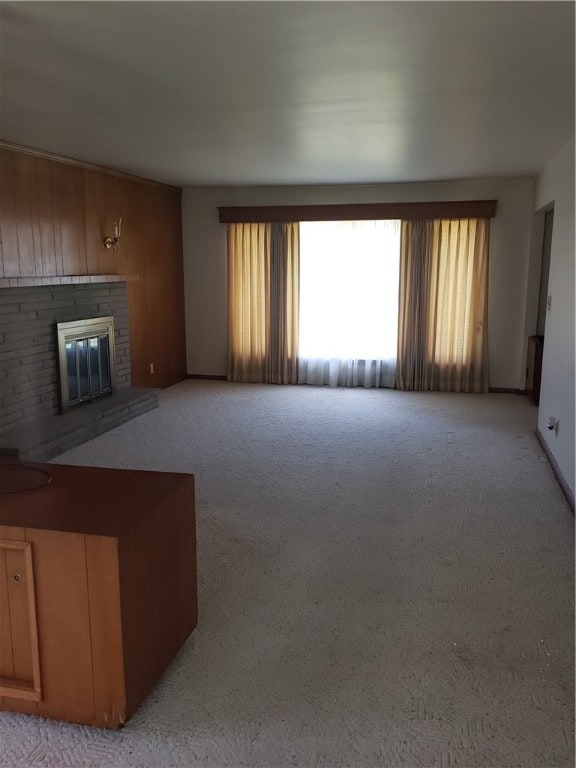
(557, 394)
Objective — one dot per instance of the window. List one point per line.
(349, 301)
(393, 303)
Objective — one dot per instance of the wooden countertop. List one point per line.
(92, 500)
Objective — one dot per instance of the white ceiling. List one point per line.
(217, 93)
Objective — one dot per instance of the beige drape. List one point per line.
(263, 293)
(442, 323)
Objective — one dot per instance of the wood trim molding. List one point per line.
(506, 391)
(88, 166)
(30, 282)
(15, 688)
(555, 468)
(456, 209)
(206, 377)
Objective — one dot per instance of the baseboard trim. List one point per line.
(555, 468)
(491, 390)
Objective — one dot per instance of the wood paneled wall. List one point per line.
(53, 219)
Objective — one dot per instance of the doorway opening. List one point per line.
(536, 342)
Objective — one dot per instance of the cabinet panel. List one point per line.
(6, 657)
(158, 561)
(106, 629)
(63, 615)
(19, 657)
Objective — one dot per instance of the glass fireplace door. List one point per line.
(87, 359)
(88, 367)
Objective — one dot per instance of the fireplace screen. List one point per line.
(86, 353)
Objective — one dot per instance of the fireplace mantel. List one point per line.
(29, 282)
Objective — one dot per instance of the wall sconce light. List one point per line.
(114, 242)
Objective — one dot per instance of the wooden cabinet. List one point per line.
(106, 593)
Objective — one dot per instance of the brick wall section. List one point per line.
(29, 378)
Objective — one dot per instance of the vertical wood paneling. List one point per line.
(35, 215)
(132, 252)
(94, 234)
(90, 222)
(176, 366)
(23, 180)
(53, 219)
(161, 285)
(54, 170)
(155, 281)
(72, 220)
(68, 232)
(103, 204)
(152, 297)
(8, 228)
(45, 218)
(80, 220)
(134, 243)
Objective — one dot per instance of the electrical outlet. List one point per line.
(549, 303)
(553, 425)
(151, 367)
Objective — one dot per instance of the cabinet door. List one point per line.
(19, 658)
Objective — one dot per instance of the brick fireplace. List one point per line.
(29, 379)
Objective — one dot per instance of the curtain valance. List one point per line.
(447, 209)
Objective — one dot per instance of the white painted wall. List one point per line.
(205, 259)
(556, 185)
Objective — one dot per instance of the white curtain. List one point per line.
(349, 273)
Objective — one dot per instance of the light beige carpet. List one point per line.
(386, 579)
